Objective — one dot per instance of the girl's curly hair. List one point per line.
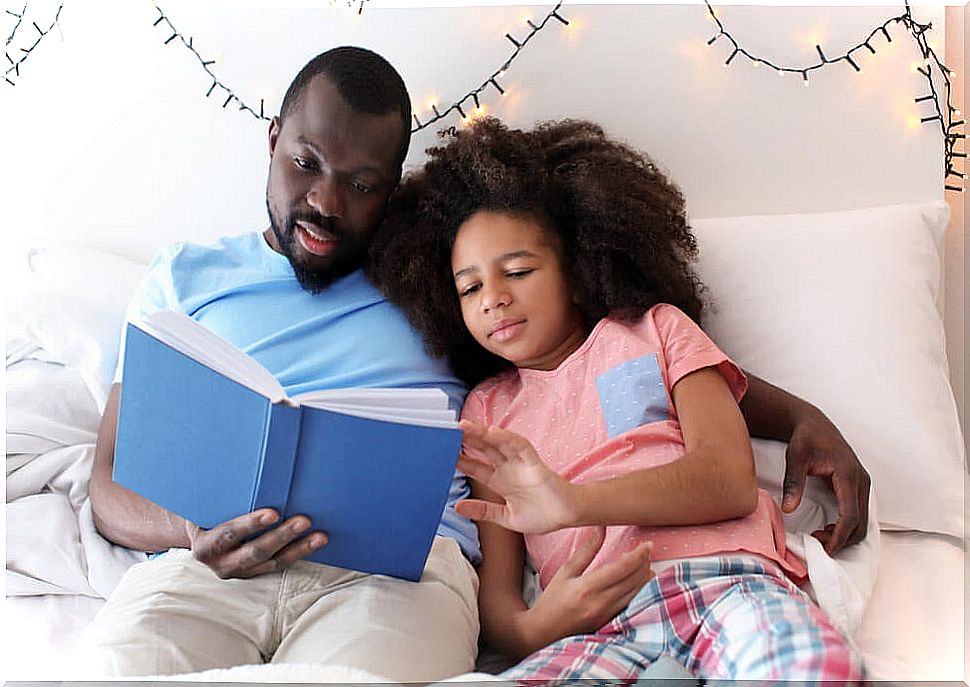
(621, 223)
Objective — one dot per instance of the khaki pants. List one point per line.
(173, 615)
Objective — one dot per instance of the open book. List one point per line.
(208, 433)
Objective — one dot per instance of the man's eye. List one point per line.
(361, 187)
(303, 163)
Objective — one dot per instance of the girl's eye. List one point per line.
(468, 290)
(361, 187)
(518, 274)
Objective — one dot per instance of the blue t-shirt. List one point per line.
(348, 335)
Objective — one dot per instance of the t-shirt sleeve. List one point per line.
(474, 408)
(688, 349)
(154, 292)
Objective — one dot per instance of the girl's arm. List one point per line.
(714, 480)
(500, 602)
(572, 603)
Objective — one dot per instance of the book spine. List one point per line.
(279, 455)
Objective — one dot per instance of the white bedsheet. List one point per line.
(915, 626)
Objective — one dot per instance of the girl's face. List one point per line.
(513, 292)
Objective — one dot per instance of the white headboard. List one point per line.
(112, 143)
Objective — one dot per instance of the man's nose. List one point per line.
(324, 197)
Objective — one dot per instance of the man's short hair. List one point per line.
(364, 79)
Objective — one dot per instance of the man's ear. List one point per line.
(274, 134)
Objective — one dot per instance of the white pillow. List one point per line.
(73, 306)
(840, 309)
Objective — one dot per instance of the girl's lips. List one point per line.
(505, 330)
(313, 241)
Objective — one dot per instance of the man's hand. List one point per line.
(227, 552)
(577, 602)
(817, 448)
(536, 498)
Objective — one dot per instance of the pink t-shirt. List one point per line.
(606, 411)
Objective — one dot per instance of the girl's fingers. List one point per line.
(474, 438)
(585, 554)
(627, 569)
(474, 468)
(484, 511)
(499, 444)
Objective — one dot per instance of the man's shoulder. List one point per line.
(228, 248)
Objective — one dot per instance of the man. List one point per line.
(294, 297)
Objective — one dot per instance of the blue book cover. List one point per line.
(209, 448)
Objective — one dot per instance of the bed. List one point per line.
(840, 294)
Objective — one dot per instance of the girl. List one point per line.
(554, 265)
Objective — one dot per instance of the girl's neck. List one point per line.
(557, 355)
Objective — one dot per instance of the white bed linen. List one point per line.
(915, 626)
(913, 630)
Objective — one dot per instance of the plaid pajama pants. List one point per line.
(723, 618)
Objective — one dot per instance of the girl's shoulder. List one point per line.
(660, 317)
(492, 397)
(506, 380)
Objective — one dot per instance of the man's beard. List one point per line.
(346, 257)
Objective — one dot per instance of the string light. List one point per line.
(918, 30)
(456, 106)
(925, 67)
(14, 67)
(351, 3)
(492, 80)
(230, 96)
(20, 18)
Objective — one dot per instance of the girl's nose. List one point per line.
(495, 298)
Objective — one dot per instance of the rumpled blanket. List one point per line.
(52, 424)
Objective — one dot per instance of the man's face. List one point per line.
(331, 171)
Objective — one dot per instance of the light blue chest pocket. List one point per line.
(632, 394)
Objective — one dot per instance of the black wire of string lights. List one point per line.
(14, 65)
(230, 96)
(20, 18)
(492, 79)
(350, 3)
(948, 125)
(473, 95)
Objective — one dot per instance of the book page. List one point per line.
(426, 398)
(427, 407)
(187, 336)
(413, 416)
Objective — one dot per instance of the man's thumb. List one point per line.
(794, 485)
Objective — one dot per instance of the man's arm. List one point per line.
(126, 518)
(120, 514)
(815, 447)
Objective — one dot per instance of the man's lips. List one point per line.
(505, 329)
(314, 239)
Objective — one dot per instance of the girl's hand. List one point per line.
(537, 500)
(577, 603)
